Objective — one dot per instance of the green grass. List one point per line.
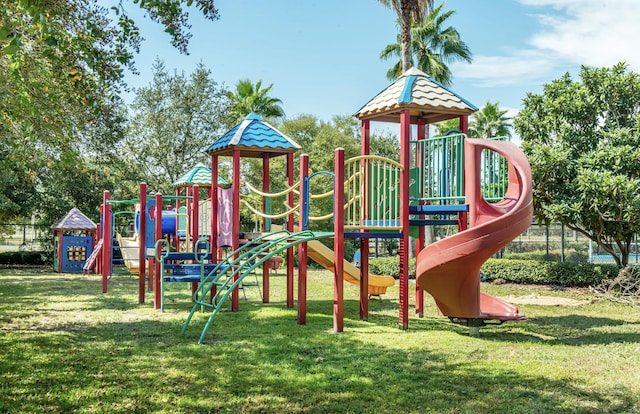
(65, 347)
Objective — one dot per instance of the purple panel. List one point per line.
(225, 215)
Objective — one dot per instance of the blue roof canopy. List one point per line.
(253, 137)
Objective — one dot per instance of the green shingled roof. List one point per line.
(201, 175)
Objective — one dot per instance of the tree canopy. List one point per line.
(433, 46)
(582, 138)
(173, 121)
(62, 68)
(489, 122)
(250, 98)
(408, 12)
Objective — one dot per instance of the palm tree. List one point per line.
(433, 45)
(408, 11)
(249, 98)
(490, 122)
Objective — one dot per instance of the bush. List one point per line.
(548, 273)
(553, 256)
(390, 266)
(22, 258)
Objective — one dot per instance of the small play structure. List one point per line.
(481, 186)
(73, 241)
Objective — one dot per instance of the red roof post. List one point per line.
(107, 244)
(235, 225)
(290, 221)
(60, 249)
(142, 242)
(158, 231)
(405, 136)
(338, 242)
(420, 241)
(266, 188)
(302, 247)
(364, 242)
(463, 216)
(214, 215)
(196, 227)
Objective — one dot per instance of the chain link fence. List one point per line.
(553, 242)
(23, 236)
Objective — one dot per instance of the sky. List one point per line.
(322, 56)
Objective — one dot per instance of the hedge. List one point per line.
(518, 271)
(548, 273)
(22, 258)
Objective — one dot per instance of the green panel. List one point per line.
(381, 188)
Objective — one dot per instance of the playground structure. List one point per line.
(442, 180)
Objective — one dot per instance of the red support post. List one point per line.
(365, 144)
(290, 220)
(302, 247)
(463, 216)
(142, 242)
(405, 136)
(266, 188)
(338, 243)
(107, 244)
(196, 226)
(60, 249)
(158, 232)
(235, 226)
(464, 124)
(98, 265)
(214, 206)
(420, 241)
(214, 215)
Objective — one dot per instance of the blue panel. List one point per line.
(405, 96)
(439, 209)
(75, 251)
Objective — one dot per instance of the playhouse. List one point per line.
(73, 241)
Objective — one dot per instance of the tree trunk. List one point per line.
(406, 37)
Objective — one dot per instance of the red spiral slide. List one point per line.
(449, 269)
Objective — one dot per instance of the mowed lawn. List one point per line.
(66, 347)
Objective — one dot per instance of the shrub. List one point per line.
(553, 256)
(22, 258)
(390, 266)
(548, 273)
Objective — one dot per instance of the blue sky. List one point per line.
(322, 56)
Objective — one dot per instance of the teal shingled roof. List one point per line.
(253, 137)
(74, 220)
(201, 175)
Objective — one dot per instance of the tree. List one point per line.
(445, 127)
(433, 47)
(174, 120)
(490, 122)
(61, 70)
(583, 142)
(253, 98)
(408, 11)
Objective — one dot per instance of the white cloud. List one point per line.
(590, 32)
(597, 33)
(494, 71)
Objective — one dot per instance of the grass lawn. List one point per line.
(65, 347)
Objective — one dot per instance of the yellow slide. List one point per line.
(323, 255)
(129, 248)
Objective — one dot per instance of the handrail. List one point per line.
(272, 216)
(281, 193)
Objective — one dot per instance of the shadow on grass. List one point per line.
(257, 364)
(260, 360)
